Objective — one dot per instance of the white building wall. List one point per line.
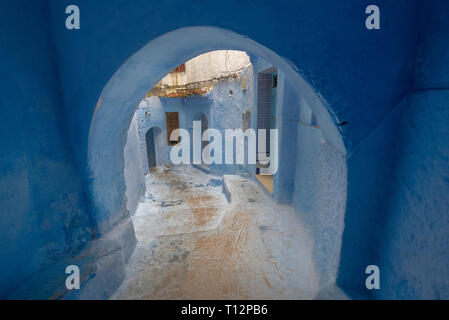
(211, 65)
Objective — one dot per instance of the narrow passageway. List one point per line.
(178, 201)
(164, 150)
(225, 192)
(193, 244)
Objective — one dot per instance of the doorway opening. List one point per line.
(201, 117)
(152, 140)
(266, 119)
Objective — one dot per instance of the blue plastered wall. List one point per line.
(370, 168)
(311, 175)
(187, 108)
(312, 178)
(43, 214)
(229, 101)
(397, 197)
(134, 169)
(415, 251)
(414, 254)
(360, 75)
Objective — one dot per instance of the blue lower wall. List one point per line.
(370, 168)
(392, 116)
(43, 213)
(398, 219)
(414, 255)
(187, 108)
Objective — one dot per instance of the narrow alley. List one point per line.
(193, 244)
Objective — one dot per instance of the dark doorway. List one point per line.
(204, 126)
(150, 138)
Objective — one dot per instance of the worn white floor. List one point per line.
(192, 244)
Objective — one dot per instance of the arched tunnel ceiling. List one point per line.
(361, 74)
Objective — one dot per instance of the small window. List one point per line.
(180, 68)
(172, 121)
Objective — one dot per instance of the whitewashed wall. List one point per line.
(214, 64)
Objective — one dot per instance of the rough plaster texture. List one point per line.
(414, 255)
(221, 109)
(134, 173)
(312, 177)
(187, 108)
(330, 217)
(403, 201)
(319, 193)
(399, 216)
(208, 66)
(226, 113)
(415, 249)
